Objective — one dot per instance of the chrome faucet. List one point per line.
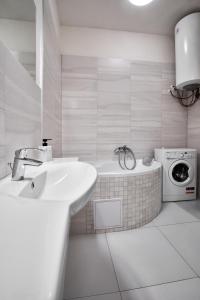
(122, 149)
(123, 153)
(20, 161)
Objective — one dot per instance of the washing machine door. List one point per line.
(181, 173)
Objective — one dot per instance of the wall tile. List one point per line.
(111, 102)
(75, 85)
(79, 67)
(85, 151)
(145, 117)
(193, 116)
(143, 85)
(147, 70)
(145, 134)
(142, 100)
(115, 83)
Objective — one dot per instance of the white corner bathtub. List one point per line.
(112, 168)
(139, 191)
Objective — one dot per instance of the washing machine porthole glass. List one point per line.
(180, 172)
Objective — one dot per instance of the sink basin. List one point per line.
(34, 225)
(68, 181)
(33, 245)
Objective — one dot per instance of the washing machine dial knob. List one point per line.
(182, 155)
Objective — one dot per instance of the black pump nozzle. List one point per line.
(45, 142)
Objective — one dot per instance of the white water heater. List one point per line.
(187, 44)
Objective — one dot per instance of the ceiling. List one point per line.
(23, 10)
(159, 17)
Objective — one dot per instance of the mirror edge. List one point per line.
(39, 42)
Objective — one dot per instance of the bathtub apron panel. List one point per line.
(140, 191)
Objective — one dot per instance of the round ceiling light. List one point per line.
(140, 2)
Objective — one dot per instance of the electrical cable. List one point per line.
(183, 99)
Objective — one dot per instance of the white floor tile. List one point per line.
(193, 207)
(182, 290)
(172, 213)
(148, 225)
(186, 239)
(144, 257)
(115, 296)
(89, 270)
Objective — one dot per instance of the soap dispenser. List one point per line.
(47, 150)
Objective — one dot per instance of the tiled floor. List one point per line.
(160, 261)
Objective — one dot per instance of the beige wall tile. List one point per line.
(111, 102)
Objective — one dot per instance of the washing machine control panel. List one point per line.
(179, 155)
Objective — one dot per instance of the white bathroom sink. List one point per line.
(33, 248)
(68, 181)
(34, 224)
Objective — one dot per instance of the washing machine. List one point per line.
(179, 173)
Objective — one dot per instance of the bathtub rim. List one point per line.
(122, 173)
